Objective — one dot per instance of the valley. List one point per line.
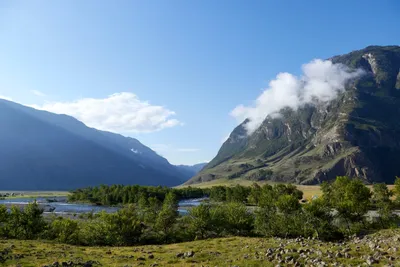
(199, 133)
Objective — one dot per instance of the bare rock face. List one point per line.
(357, 134)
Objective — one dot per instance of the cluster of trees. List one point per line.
(119, 194)
(342, 210)
(130, 194)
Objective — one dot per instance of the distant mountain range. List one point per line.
(45, 151)
(357, 134)
(192, 170)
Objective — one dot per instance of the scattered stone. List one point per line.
(189, 254)
(370, 260)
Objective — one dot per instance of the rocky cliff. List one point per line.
(357, 134)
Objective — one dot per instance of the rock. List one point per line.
(370, 260)
(371, 245)
(189, 254)
(346, 250)
(288, 258)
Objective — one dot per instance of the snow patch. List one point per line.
(135, 151)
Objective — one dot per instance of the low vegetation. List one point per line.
(342, 211)
(379, 249)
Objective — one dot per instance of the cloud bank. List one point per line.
(120, 112)
(321, 81)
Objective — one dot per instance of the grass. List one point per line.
(308, 190)
(234, 251)
(33, 194)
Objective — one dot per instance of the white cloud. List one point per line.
(120, 112)
(5, 98)
(38, 93)
(321, 81)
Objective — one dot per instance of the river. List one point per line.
(61, 206)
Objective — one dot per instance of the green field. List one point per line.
(33, 194)
(383, 246)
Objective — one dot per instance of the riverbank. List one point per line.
(61, 207)
(379, 249)
(33, 194)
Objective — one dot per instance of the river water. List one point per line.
(61, 206)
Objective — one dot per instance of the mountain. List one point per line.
(45, 151)
(357, 134)
(192, 170)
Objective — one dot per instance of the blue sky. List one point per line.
(170, 72)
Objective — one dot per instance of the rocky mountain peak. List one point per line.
(356, 134)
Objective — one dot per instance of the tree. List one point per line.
(167, 216)
(200, 220)
(350, 198)
(266, 213)
(233, 218)
(318, 220)
(288, 204)
(282, 189)
(125, 226)
(397, 189)
(26, 224)
(65, 230)
(288, 219)
(218, 193)
(3, 220)
(153, 209)
(255, 194)
(382, 201)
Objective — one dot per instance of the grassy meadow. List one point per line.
(33, 194)
(234, 251)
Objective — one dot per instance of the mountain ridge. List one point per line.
(27, 150)
(192, 169)
(357, 134)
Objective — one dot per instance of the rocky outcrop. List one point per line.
(357, 134)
